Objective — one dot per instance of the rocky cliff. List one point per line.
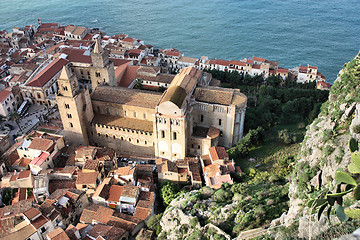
(324, 150)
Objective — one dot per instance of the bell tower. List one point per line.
(102, 70)
(75, 108)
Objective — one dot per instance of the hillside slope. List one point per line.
(324, 150)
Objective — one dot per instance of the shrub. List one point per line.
(194, 222)
(356, 129)
(273, 178)
(153, 223)
(327, 150)
(286, 137)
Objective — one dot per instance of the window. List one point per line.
(162, 134)
(43, 229)
(219, 122)
(129, 139)
(201, 118)
(174, 135)
(135, 114)
(192, 145)
(198, 146)
(98, 109)
(97, 74)
(117, 112)
(71, 125)
(65, 88)
(137, 141)
(107, 111)
(84, 186)
(221, 133)
(145, 142)
(125, 113)
(144, 115)
(69, 115)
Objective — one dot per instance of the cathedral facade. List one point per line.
(186, 120)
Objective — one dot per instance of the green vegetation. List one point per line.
(8, 195)
(169, 191)
(153, 223)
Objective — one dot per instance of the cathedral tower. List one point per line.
(75, 108)
(102, 70)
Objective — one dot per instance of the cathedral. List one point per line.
(188, 118)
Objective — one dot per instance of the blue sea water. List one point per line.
(324, 33)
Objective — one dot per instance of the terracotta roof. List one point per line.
(129, 191)
(76, 55)
(145, 204)
(126, 96)
(212, 170)
(86, 178)
(100, 231)
(142, 213)
(23, 233)
(123, 122)
(115, 193)
(312, 67)
(283, 70)
(41, 144)
(218, 180)
(125, 171)
(4, 94)
(39, 222)
(31, 213)
(57, 234)
(91, 164)
(125, 74)
(238, 63)
(147, 196)
(47, 73)
(119, 61)
(220, 96)
(218, 153)
(219, 62)
(176, 95)
(259, 59)
(24, 174)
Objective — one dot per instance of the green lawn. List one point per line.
(267, 153)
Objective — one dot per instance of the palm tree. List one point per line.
(14, 116)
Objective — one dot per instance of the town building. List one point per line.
(186, 120)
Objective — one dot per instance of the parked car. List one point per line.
(151, 161)
(142, 162)
(11, 127)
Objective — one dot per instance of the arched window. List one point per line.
(174, 135)
(162, 134)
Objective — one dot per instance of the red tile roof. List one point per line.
(39, 222)
(32, 213)
(115, 193)
(76, 55)
(259, 59)
(218, 153)
(238, 63)
(46, 74)
(4, 94)
(283, 70)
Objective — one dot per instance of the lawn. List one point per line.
(267, 153)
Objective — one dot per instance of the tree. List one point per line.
(14, 116)
(153, 223)
(169, 191)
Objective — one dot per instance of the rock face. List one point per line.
(178, 223)
(325, 149)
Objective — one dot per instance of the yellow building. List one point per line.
(186, 120)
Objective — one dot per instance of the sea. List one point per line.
(323, 33)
